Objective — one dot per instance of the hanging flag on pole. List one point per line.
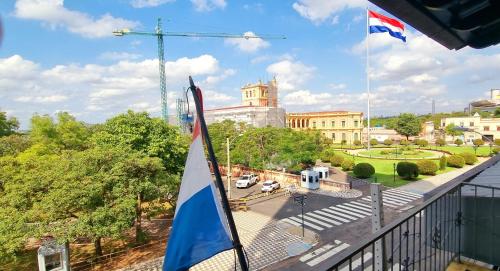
(379, 23)
(200, 229)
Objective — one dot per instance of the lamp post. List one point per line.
(491, 145)
(394, 171)
(475, 148)
(229, 171)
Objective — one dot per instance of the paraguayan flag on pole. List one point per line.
(200, 229)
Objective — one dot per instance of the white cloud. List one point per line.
(337, 86)
(148, 3)
(291, 75)
(248, 45)
(119, 56)
(41, 99)
(335, 20)
(54, 14)
(319, 10)
(214, 79)
(107, 89)
(208, 5)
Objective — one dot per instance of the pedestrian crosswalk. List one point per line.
(347, 212)
(359, 262)
(395, 198)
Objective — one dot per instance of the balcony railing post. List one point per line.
(459, 222)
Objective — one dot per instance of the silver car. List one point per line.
(270, 186)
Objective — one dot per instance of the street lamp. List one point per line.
(491, 145)
(229, 171)
(475, 148)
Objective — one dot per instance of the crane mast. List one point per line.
(163, 80)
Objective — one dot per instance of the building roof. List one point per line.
(230, 107)
(453, 23)
(340, 112)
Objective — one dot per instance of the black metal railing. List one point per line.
(462, 220)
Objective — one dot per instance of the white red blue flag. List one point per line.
(200, 228)
(379, 23)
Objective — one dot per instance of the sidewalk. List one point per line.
(428, 184)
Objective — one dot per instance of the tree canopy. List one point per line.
(8, 126)
(408, 125)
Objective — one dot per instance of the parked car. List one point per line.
(270, 186)
(246, 181)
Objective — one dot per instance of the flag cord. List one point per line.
(220, 185)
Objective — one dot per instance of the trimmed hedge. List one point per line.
(388, 142)
(422, 142)
(404, 142)
(363, 170)
(497, 141)
(326, 154)
(357, 142)
(442, 163)
(455, 161)
(347, 165)
(407, 170)
(427, 167)
(469, 158)
(458, 141)
(440, 142)
(336, 160)
(478, 142)
(373, 142)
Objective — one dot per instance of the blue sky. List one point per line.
(60, 56)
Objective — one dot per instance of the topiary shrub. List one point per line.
(422, 142)
(404, 142)
(347, 165)
(373, 142)
(497, 141)
(357, 142)
(478, 142)
(388, 142)
(458, 142)
(427, 167)
(326, 154)
(363, 170)
(336, 160)
(442, 162)
(455, 161)
(469, 158)
(496, 150)
(407, 170)
(440, 142)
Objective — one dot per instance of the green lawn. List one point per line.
(384, 170)
(481, 151)
(401, 154)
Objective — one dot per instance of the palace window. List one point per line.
(356, 123)
(471, 124)
(314, 124)
(343, 136)
(498, 128)
(343, 123)
(486, 128)
(323, 124)
(355, 136)
(333, 136)
(333, 123)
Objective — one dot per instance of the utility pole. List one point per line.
(377, 224)
(161, 52)
(229, 171)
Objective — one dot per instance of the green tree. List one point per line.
(440, 142)
(9, 125)
(66, 132)
(219, 131)
(458, 142)
(408, 125)
(151, 136)
(497, 112)
(13, 144)
(478, 142)
(451, 130)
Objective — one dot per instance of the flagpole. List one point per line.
(367, 72)
(218, 179)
